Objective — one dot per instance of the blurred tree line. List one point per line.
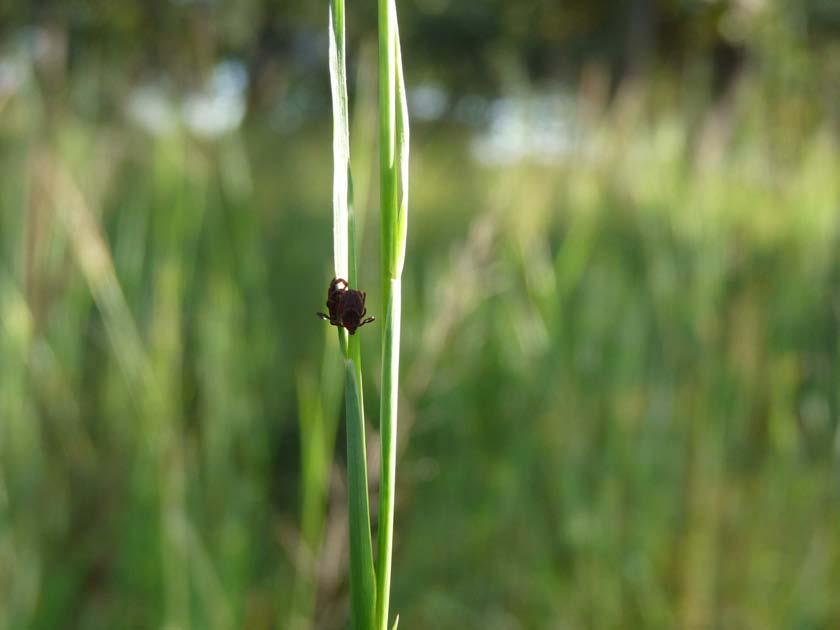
(476, 45)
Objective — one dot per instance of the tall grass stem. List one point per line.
(362, 578)
(393, 164)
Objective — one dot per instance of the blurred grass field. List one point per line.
(621, 369)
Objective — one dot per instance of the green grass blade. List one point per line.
(362, 580)
(388, 435)
(402, 150)
(387, 141)
(341, 140)
(393, 247)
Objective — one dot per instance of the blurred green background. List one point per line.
(621, 361)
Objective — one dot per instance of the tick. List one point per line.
(346, 306)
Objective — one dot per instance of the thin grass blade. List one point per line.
(387, 141)
(362, 578)
(341, 140)
(394, 109)
(402, 152)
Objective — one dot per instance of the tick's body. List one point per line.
(346, 306)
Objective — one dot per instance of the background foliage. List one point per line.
(620, 315)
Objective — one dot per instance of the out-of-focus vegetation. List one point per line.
(621, 359)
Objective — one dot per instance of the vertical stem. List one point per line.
(388, 209)
(393, 174)
(362, 578)
(387, 141)
(388, 434)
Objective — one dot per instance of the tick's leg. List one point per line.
(328, 318)
(367, 321)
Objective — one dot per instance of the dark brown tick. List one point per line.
(346, 306)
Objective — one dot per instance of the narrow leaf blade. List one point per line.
(362, 580)
(402, 151)
(341, 140)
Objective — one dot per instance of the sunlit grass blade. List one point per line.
(387, 166)
(388, 430)
(341, 140)
(394, 200)
(402, 152)
(362, 579)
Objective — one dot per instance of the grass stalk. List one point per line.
(362, 578)
(387, 142)
(370, 590)
(393, 164)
